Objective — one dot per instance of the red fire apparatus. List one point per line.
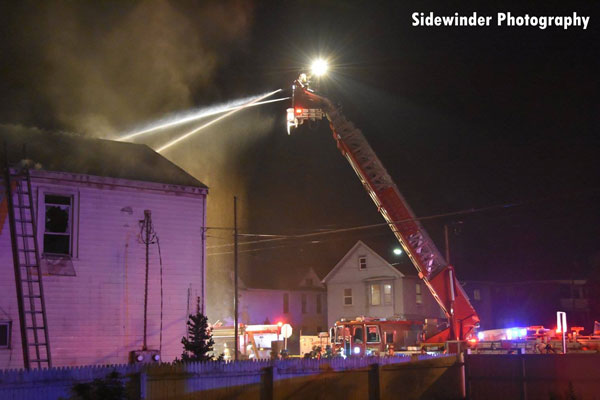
(432, 268)
(374, 336)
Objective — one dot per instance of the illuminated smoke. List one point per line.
(193, 131)
(204, 113)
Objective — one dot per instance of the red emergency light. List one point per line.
(298, 110)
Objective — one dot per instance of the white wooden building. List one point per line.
(363, 283)
(89, 196)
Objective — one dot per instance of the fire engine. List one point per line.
(432, 268)
(533, 340)
(374, 336)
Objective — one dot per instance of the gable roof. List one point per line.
(62, 152)
(349, 253)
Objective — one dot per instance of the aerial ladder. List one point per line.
(432, 268)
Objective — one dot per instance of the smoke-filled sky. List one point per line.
(463, 119)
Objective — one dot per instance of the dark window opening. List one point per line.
(286, 303)
(5, 334)
(303, 303)
(319, 305)
(57, 225)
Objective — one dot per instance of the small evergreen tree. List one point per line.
(198, 345)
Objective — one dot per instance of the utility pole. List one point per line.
(235, 277)
(447, 238)
(146, 240)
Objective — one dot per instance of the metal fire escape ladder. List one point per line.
(437, 275)
(28, 275)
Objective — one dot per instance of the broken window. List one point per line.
(57, 224)
(4, 334)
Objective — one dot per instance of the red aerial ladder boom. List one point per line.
(431, 266)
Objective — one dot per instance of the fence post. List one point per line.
(143, 383)
(374, 382)
(523, 377)
(266, 384)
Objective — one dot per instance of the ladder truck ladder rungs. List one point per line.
(28, 274)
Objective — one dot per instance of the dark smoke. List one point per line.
(99, 67)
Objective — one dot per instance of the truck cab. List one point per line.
(374, 337)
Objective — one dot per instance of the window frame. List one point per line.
(477, 294)
(384, 295)
(73, 194)
(362, 263)
(418, 294)
(367, 334)
(319, 304)
(372, 296)
(348, 296)
(303, 302)
(8, 325)
(286, 303)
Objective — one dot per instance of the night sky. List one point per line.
(501, 123)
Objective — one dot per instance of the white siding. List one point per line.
(96, 317)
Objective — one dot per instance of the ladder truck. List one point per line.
(432, 268)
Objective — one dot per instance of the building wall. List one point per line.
(428, 308)
(96, 316)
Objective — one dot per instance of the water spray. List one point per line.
(234, 110)
(200, 115)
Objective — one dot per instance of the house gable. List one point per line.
(310, 280)
(348, 268)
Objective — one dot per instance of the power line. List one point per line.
(370, 226)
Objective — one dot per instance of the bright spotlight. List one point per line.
(397, 251)
(319, 67)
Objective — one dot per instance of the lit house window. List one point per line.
(419, 295)
(319, 305)
(347, 297)
(476, 294)
(303, 303)
(362, 262)
(58, 225)
(4, 334)
(286, 303)
(375, 294)
(387, 294)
